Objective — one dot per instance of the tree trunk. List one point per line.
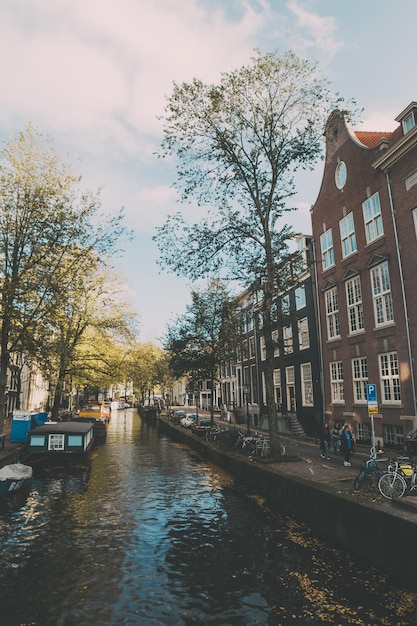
(212, 400)
(269, 371)
(4, 366)
(58, 393)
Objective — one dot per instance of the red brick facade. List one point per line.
(364, 231)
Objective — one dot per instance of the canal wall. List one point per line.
(384, 538)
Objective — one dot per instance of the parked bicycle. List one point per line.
(213, 434)
(368, 476)
(256, 445)
(400, 477)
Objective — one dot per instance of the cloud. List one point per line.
(103, 67)
(313, 31)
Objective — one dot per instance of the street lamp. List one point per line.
(246, 390)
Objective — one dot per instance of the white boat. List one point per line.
(15, 477)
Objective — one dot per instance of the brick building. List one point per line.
(364, 225)
(297, 386)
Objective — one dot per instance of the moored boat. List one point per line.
(61, 443)
(99, 426)
(99, 411)
(15, 477)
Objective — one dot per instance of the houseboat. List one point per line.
(61, 443)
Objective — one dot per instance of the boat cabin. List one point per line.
(67, 442)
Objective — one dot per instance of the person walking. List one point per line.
(335, 434)
(346, 444)
(325, 441)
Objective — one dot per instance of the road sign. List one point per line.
(371, 393)
(372, 401)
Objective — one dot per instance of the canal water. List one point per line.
(152, 535)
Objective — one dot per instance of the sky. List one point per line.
(95, 75)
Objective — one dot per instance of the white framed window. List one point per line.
(290, 375)
(389, 372)
(408, 123)
(337, 382)
(275, 339)
(249, 321)
(354, 305)
(372, 218)
(363, 431)
(415, 220)
(381, 292)
(332, 313)
(245, 346)
(300, 297)
(307, 385)
(262, 348)
(285, 304)
(277, 388)
(303, 334)
(287, 339)
(360, 379)
(260, 321)
(347, 235)
(327, 251)
(277, 378)
(252, 353)
(56, 441)
(290, 380)
(393, 435)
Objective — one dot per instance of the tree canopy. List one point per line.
(237, 147)
(49, 227)
(204, 336)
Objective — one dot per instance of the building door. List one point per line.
(291, 403)
(290, 381)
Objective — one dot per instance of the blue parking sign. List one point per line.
(371, 393)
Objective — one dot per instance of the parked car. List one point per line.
(202, 426)
(177, 415)
(189, 420)
(411, 442)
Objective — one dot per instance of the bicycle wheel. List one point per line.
(360, 480)
(392, 485)
(374, 479)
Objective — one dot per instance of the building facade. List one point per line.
(297, 382)
(364, 225)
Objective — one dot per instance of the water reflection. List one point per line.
(151, 534)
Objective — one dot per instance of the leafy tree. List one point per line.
(148, 367)
(44, 216)
(84, 312)
(238, 146)
(204, 336)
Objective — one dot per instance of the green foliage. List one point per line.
(207, 334)
(51, 235)
(149, 369)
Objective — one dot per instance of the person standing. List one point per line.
(346, 444)
(325, 441)
(335, 434)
